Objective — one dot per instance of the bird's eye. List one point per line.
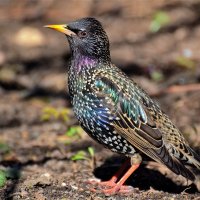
(82, 34)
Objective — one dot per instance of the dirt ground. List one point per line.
(37, 153)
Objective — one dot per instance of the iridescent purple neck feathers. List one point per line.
(81, 62)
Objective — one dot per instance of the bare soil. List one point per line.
(33, 77)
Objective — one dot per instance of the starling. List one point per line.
(115, 111)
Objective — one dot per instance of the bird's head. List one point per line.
(87, 37)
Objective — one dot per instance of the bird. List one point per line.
(116, 112)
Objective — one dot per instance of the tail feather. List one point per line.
(174, 164)
(196, 159)
(183, 170)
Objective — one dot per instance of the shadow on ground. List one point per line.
(142, 178)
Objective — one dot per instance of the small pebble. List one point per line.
(63, 184)
(46, 175)
(187, 53)
(74, 187)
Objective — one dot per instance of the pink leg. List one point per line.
(112, 181)
(112, 186)
(119, 187)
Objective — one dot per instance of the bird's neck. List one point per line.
(80, 62)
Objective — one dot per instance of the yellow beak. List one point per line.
(61, 28)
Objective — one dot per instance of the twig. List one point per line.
(178, 89)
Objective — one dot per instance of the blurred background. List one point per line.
(42, 148)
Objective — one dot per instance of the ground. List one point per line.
(36, 151)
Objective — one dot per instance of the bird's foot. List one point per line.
(104, 184)
(110, 187)
(124, 189)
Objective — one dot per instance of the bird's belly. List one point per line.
(94, 121)
(114, 142)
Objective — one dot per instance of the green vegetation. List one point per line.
(10, 173)
(84, 155)
(157, 75)
(54, 113)
(4, 148)
(2, 178)
(80, 155)
(88, 155)
(74, 131)
(91, 151)
(185, 62)
(160, 19)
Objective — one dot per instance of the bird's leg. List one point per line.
(119, 187)
(112, 181)
(119, 172)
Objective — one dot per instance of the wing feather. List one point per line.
(134, 122)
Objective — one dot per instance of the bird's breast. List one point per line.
(96, 119)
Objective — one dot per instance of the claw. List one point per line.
(105, 184)
(110, 187)
(124, 189)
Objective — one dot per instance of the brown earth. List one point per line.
(33, 77)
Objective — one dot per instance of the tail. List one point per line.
(190, 159)
(195, 159)
(175, 164)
